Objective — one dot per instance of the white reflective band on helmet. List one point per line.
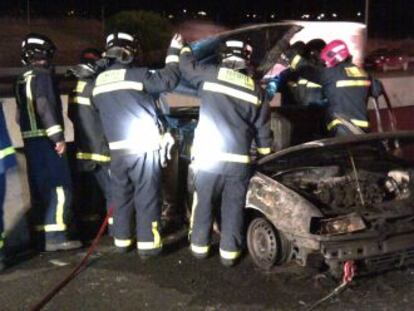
(35, 40)
(229, 255)
(109, 38)
(234, 44)
(338, 48)
(125, 36)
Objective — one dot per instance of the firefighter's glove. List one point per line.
(166, 145)
(177, 41)
(397, 180)
(272, 86)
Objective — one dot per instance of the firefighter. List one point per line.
(232, 114)
(345, 86)
(123, 95)
(92, 150)
(7, 160)
(41, 125)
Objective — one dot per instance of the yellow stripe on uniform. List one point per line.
(157, 236)
(359, 123)
(157, 243)
(229, 255)
(333, 123)
(123, 85)
(185, 50)
(219, 88)
(232, 157)
(29, 103)
(31, 134)
(264, 151)
(200, 249)
(80, 86)
(352, 83)
(122, 243)
(309, 84)
(60, 205)
(81, 100)
(6, 152)
(172, 59)
(92, 156)
(295, 61)
(51, 228)
(53, 130)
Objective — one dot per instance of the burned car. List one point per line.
(332, 198)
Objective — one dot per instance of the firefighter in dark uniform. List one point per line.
(7, 161)
(41, 124)
(123, 97)
(92, 150)
(232, 114)
(345, 86)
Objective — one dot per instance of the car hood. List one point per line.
(326, 150)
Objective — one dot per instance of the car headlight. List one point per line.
(339, 225)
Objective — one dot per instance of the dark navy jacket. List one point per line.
(233, 113)
(91, 144)
(123, 97)
(39, 105)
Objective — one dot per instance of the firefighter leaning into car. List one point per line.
(232, 114)
(41, 124)
(92, 150)
(7, 160)
(123, 97)
(345, 86)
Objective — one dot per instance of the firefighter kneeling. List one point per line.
(123, 97)
(232, 114)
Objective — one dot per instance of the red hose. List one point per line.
(38, 306)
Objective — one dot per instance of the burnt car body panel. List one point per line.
(286, 190)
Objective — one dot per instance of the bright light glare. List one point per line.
(208, 144)
(202, 13)
(359, 14)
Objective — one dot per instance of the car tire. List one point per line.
(267, 246)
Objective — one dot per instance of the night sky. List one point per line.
(388, 18)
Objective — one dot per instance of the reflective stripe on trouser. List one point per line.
(50, 189)
(136, 189)
(232, 190)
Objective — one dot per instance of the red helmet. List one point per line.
(335, 52)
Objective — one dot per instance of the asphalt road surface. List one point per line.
(176, 281)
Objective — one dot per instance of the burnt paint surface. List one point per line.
(287, 210)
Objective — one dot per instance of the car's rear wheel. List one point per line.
(267, 246)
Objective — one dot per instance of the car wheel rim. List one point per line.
(264, 243)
